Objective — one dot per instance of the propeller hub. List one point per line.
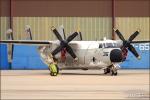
(64, 43)
(126, 43)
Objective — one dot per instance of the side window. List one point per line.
(116, 45)
(108, 45)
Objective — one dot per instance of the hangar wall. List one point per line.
(4, 25)
(128, 25)
(94, 17)
(92, 28)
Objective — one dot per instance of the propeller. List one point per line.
(127, 43)
(64, 43)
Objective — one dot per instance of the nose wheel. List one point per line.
(111, 70)
(107, 70)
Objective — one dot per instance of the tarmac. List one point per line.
(74, 84)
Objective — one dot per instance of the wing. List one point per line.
(140, 41)
(26, 42)
(73, 44)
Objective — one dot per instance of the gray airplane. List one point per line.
(68, 54)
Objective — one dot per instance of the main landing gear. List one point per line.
(112, 70)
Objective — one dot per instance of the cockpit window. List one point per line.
(108, 45)
(116, 45)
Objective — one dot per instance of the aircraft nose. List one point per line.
(116, 55)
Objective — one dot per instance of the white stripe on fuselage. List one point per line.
(94, 44)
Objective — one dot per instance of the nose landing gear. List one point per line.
(112, 70)
(107, 70)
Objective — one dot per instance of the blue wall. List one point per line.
(144, 52)
(3, 57)
(27, 57)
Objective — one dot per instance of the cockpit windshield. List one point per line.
(108, 45)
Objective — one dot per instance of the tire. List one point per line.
(53, 74)
(113, 73)
(107, 70)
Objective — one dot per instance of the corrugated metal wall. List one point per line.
(4, 25)
(94, 17)
(92, 28)
(128, 25)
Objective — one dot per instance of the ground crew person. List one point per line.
(54, 68)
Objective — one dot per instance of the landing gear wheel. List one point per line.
(107, 70)
(53, 74)
(54, 70)
(113, 72)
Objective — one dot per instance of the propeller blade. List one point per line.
(72, 36)
(56, 33)
(133, 35)
(119, 34)
(64, 34)
(80, 36)
(132, 49)
(70, 51)
(58, 49)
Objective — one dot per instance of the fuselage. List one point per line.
(91, 54)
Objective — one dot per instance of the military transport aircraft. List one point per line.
(68, 54)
